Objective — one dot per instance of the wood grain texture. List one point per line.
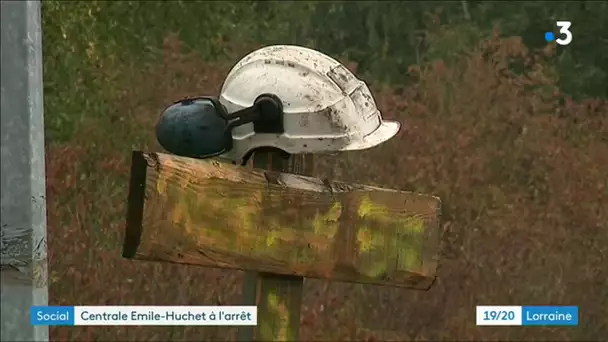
(203, 212)
(279, 297)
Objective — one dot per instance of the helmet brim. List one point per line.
(387, 130)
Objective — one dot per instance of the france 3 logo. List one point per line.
(565, 35)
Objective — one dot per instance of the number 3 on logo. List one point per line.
(564, 30)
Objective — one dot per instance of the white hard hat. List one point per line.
(326, 108)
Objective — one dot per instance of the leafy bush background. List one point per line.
(510, 131)
(383, 38)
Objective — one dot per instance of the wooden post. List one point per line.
(281, 227)
(24, 252)
(279, 297)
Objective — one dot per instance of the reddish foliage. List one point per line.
(521, 171)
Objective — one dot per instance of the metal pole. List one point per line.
(23, 202)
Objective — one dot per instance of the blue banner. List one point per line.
(509, 315)
(52, 315)
(549, 315)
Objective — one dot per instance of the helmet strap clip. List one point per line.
(266, 114)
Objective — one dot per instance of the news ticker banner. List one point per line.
(247, 315)
(527, 315)
(144, 315)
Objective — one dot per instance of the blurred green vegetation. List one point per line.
(83, 38)
(520, 174)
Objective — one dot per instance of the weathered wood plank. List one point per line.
(203, 212)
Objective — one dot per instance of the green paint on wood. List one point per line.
(206, 213)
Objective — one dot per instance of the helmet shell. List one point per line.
(326, 108)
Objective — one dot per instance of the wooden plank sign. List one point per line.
(208, 213)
